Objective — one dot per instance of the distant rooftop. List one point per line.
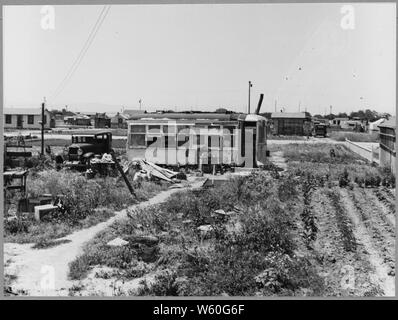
(22, 111)
(290, 115)
(389, 123)
(132, 112)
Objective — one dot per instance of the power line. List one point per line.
(83, 51)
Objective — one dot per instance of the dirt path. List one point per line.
(381, 269)
(278, 159)
(44, 272)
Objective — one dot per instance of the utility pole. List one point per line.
(299, 105)
(275, 105)
(250, 85)
(330, 109)
(126, 180)
(140, 103)
(42, 126)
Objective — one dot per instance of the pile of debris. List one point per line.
(106, 158)
(146, 170)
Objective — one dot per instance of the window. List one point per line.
(45, 119)
(8, 118)
(137, 136)
(228, 137)
(183, 135)
(151, 140)
(182, 139)
(30, 119)
(137, 129)
(137, 140)
(154, 129)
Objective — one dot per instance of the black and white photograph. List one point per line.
(221, 150)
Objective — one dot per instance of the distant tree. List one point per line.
(358, 114)
(221, 110)
(369, 115)
(318, 116)
(330, 116)
(385, 115)
(342, 115)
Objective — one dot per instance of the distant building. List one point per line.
(355, 125)
(119, 120)
(101, 120)
(387, 143)
(78, 120)
(59, 116)
(295, 123)
(27, 118)
(340, 123)
(321, 120)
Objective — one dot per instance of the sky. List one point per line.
(201, 57)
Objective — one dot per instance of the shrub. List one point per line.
(17, 225)
(164, 285)
(343, 178)
(387, 177)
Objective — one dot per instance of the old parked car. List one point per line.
(84, 148)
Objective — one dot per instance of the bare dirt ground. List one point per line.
(278, 159)
(33, 270)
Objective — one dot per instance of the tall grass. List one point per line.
(82, 200)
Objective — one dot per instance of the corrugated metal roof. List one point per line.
(392, 123)
(22, 111)
(294, 115)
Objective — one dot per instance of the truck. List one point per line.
(320, 129)
(84, 148)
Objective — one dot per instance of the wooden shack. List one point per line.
(291, 123)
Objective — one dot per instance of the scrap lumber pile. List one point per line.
(158, 172)
(147, 170)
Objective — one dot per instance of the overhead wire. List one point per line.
(83, 51)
